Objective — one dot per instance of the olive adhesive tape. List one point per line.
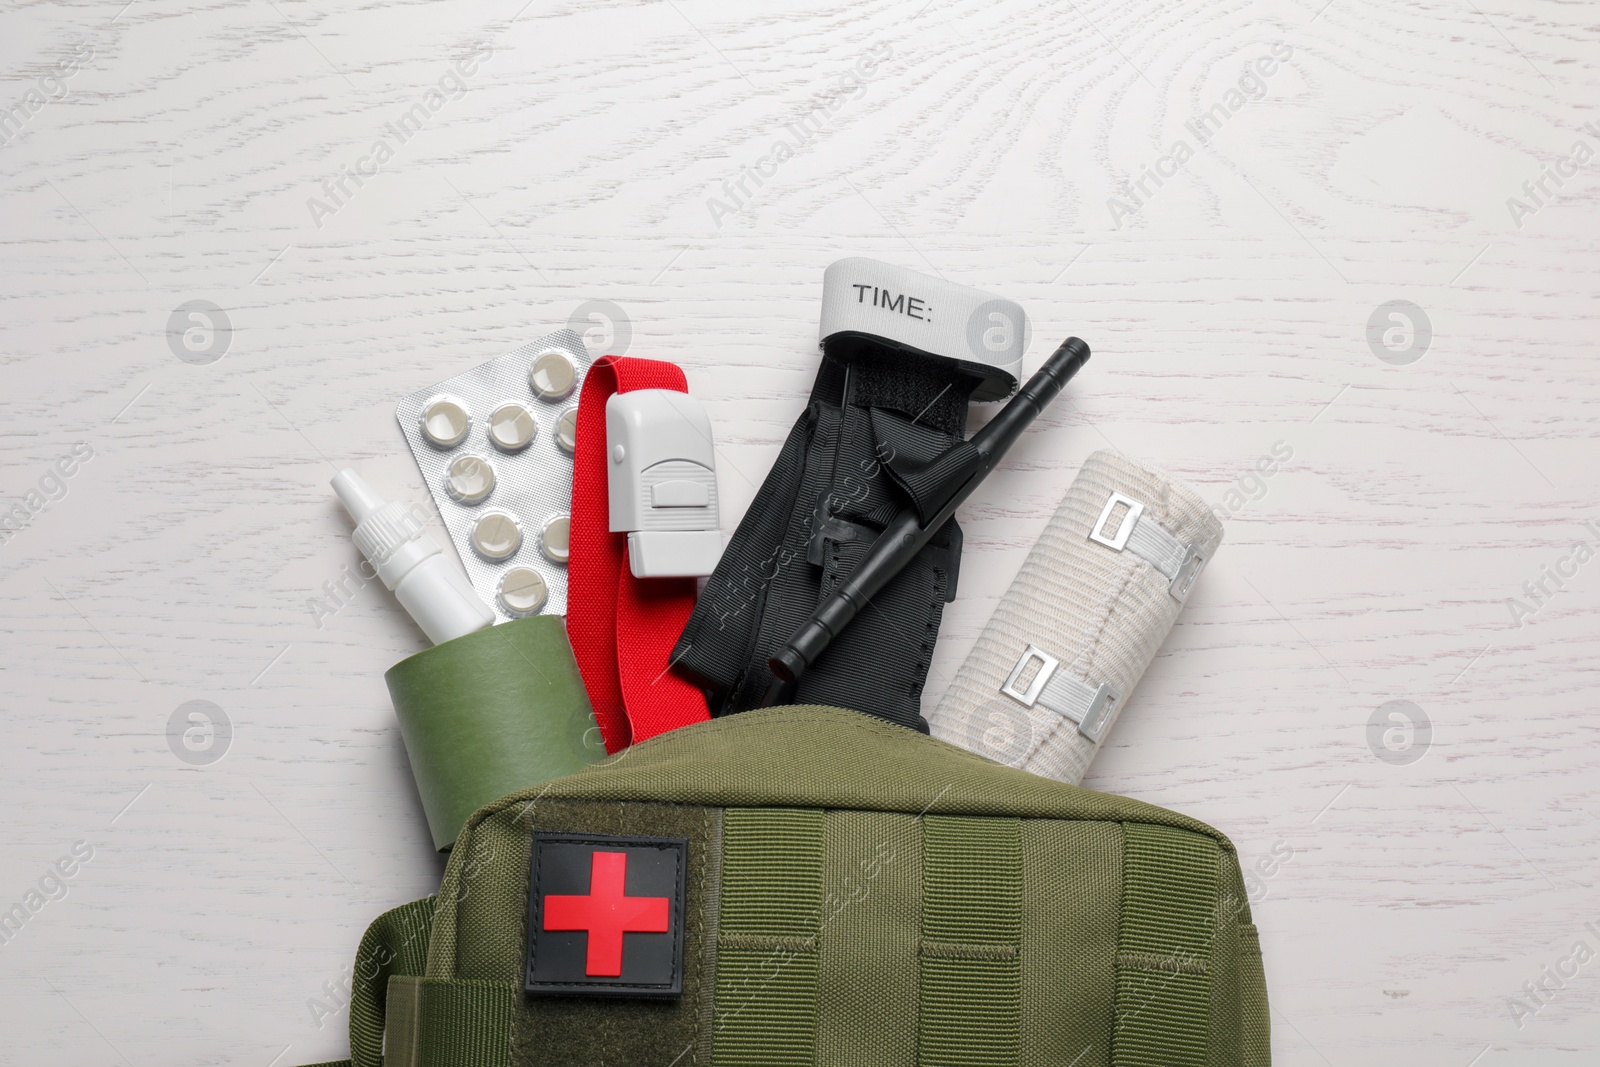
(495, 446)
(487, 714)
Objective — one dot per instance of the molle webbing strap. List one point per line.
(395, 944)
(971, 963)
(622, 628)
(766, 997)
(869, 971)
(1164, 948)
(449, 1022)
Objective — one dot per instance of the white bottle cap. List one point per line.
(410, 563)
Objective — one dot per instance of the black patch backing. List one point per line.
(563, 866)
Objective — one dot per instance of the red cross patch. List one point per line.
(605, 915)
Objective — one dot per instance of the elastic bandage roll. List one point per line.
(1084, 617)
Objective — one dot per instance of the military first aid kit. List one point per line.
(757, 890)
(800, 884)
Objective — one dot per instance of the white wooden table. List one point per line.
(173, 156)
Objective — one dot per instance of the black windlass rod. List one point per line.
(904, 537)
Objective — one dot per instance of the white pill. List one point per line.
(512, 428)
(496, 536)
(471, 479)
(523, 592)
(567, 431)
(555, 540)
(552, 374)
(445, 422)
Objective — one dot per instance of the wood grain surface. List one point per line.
(994, 142)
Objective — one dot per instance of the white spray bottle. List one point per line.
(411, 563)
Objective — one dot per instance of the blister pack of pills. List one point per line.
(495, 447)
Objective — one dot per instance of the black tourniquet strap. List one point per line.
(882, 433)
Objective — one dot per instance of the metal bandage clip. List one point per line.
(1178, 561)
(1093, 708)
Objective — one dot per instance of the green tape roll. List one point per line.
(498, 710)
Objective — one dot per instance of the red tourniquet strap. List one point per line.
(622, 628)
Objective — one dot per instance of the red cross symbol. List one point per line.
(607, 913)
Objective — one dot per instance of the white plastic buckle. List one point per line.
(1118, 541)
(1047, 667)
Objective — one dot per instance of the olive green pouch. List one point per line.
(852, 893)
(496, 711)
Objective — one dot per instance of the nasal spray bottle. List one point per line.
(488, 710)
